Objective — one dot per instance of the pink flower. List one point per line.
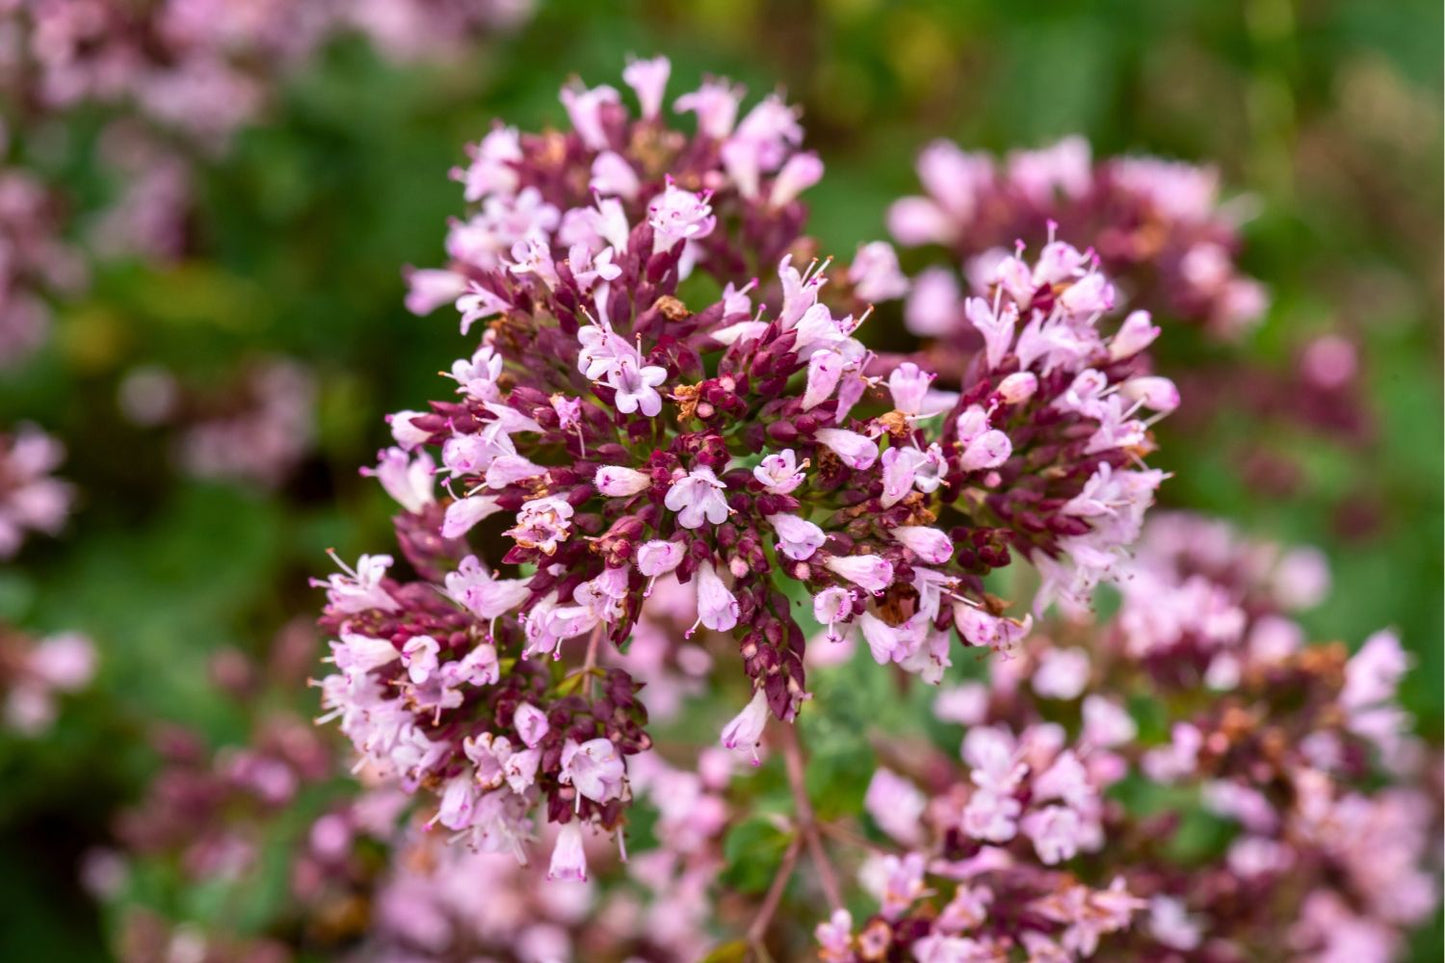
(658, 557)
(613, 176)
(896, 805)
(832, 605)
(933, 307)
(1061, 674)
(569, 861)
(927, 543)
(429, 289)
(799, 172)
(594, 768)
(478, 304)
(543, 523)
(698, 497)
(461, 516)
(530, 723)
(991, 816)
(1134, 335)
(869, 572)
(717, 608)
(798, 538)
(875, 274)
(908, 384)
(488, 598)
(636, 387)
(991, 631)
(745, 731)
(584, 109)
(407, 481)
(679, 215)
(648, 79)
(857, 451)
(780, 473)
(716, 105)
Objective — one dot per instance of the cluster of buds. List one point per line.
(31, 500)
(608, 435)
(255, 427)
(1299, 754)
(1157, 226)
(35, 673)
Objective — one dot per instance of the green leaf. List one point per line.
(753, 851)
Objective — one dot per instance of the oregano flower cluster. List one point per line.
(606, 433)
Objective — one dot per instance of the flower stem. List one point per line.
(759, 928)
(807, 822)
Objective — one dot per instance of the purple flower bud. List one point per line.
(1155, 393)
(988, 450)
(929, 544)
(530, 723)
(614, 481)
(1134, 335)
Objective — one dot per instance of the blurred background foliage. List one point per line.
(1325, 114)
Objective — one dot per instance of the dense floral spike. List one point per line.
(1157, 226)
(30, 499)
(1300, 752)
